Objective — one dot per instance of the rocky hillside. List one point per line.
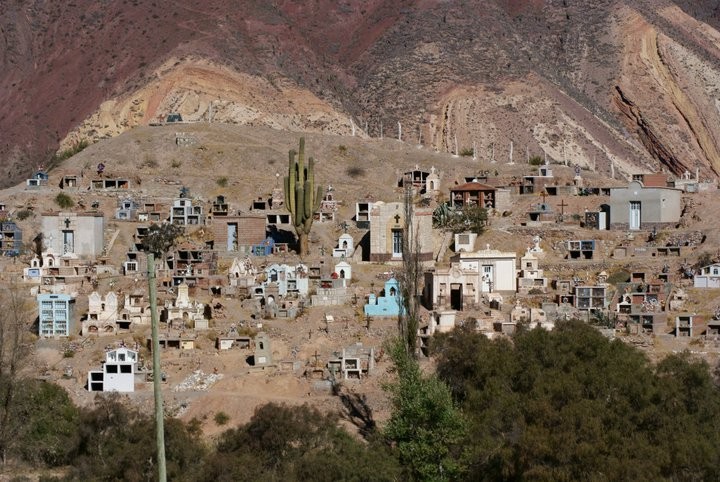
(632, 82)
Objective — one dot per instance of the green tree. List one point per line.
(160, 238)
(296, 443)
(571, 405)
(118, 443)
(16, 318)
(425, 427)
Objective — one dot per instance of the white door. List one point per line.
(635, 211)
(487, 278)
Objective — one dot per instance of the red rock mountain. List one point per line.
(635, 83)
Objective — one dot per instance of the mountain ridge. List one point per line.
(549, 76)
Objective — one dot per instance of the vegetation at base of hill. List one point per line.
(425, 428)
(64, 201)
(562, 405)
(571, 405)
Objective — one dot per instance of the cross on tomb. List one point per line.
(67, 223)
(543, 193)
(316, 356)
(562, 206)
(397, 219)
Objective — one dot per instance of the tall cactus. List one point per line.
(302, 199)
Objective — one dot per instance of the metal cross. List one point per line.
(562, 205)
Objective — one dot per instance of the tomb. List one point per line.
(152, 212)
(531, 276)
(472, 194)
(117, 374)
(387, 232)
(346, 247)
(232, 339)
(709, 277)
(69, 182)
(343, 271)
(101, 316)
(590, 297)
(56, 315)
(80, 234)
(135, 310)
(432, 182)
(134, 264)
(541, 212)
(638, 206)
(415, 178)
(220, 207)
(126, 210)
(362, 214)
(580, 249)
(290, 281)
(538, 183)
(11, 241)
(263, 350)
(39, 179)
(388, 303)
(471, 276)
(182, 313)
(109, 184)
(328, 207)
(355, 362)
(184, 213)
(684, 324)
(465, 242)
(238, 233)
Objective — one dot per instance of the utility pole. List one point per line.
(399, 131)
(157, 374)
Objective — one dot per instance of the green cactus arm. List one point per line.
(299, 205)
(318, 198)
(308, 205)
(289, 195)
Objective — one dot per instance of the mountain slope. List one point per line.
(633, 82)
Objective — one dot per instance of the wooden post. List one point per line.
(157, 374)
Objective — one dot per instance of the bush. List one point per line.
(467, 152)
(222, 181)
(221, 418)
(72, 150)
(175, 164)
(536, 161)
(64, 201)
(621, 276)
(355, 172)
(24, 214)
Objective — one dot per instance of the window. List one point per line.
(111, 368)
(397, 242)
(125, 368)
